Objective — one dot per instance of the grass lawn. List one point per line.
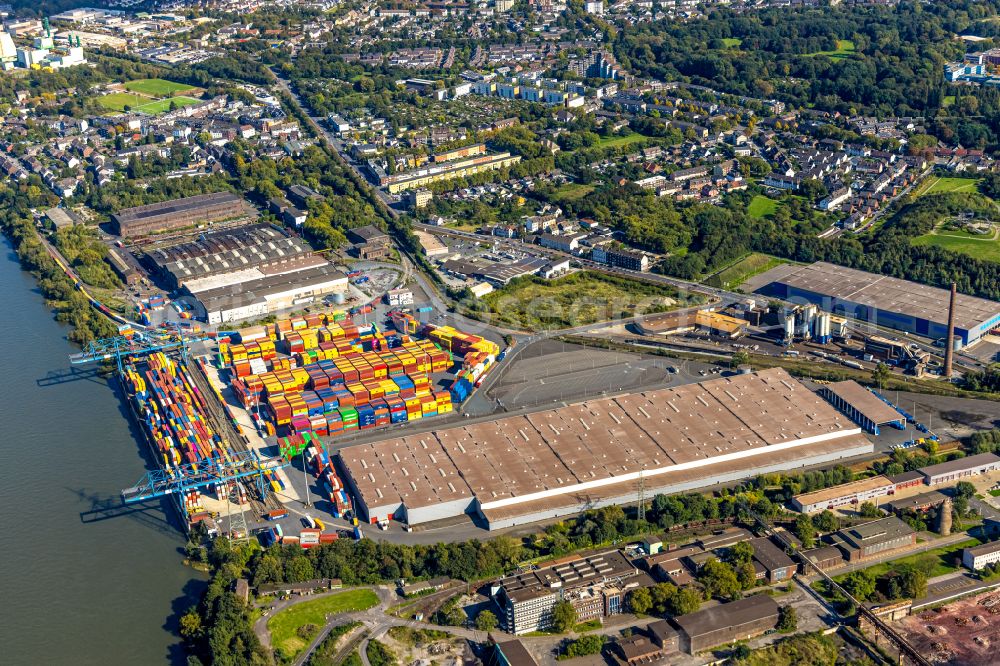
(761, 207)
(845, 49)
(937, 185)
(995, 492)
(947, 101)
(742, 270)
(157, 87)
(618, 141)
(732, 42)
(284, 626)
(946, 560)
(573, 191)
(136, 102)
(578, 299)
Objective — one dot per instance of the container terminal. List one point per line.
(258, 432)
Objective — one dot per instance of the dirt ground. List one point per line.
(423, 647)
(965, 633)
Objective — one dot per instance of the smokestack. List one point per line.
(949, 348)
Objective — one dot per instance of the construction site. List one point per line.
(963, 633)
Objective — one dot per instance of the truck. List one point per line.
(426, 308)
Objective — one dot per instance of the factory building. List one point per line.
(726, 623)
(180, 213)
(596, 585)
(846, 494)
(223, 258)
(862, 406)
(868, 540)
(890, 302)
(267, 295)
(960, 468)
(980, 556)
(526, 468)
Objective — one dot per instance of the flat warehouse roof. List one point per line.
(961, 464)
(239, 295)
(861, 399)
(887, 293)
(590, 446)
(844, 489)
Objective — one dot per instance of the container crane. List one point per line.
(183, 478)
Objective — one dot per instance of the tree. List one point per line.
(585, 645)
(563, 616)
(869, 510)
(826, 521)
(740, 357)
(787, 620)
(860, 584)
(719, 580)
(747, 575)
(880, 375)
(739, 553)
(486, 621)
(191, 628)
(965, 489)
(456, 617)
(685, 601)
(640, 600)
(805, 530)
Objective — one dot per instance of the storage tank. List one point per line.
(822, 328)
(789, 325)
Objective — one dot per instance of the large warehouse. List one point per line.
(180, 213)
(890, 302)
(263, 296)
(222, 258)
(522, 469)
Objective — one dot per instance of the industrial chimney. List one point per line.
(949, 345)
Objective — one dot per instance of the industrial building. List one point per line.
(180, 213)
(522, 469)
(658, 641)
(960, 468)
(232, 256)
(726, 623)
(862, 407)
(980, 556)
(916, 503)
(855, 492)
(596, 585)
(267, 295)
(770, 562)
(886, 301)
(873, 539)
(125, 265)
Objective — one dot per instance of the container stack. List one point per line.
(325, 473)
(172, 411)
(340, 377)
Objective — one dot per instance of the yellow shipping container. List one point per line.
(445, 408)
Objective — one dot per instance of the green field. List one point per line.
(946, 560)
(285, 625)
(761, 207)
(732, 42)
(618, 141)
(574, 300)
(845, 49)
(157, 87)
(979, 247)
(572, 191)
(742, 270)
(118, 102)
(937, 185)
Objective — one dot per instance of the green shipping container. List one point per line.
(348, 414)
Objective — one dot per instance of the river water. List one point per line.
(81, 585)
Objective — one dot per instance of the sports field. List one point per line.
(119, 102)
(937, 185)
(157, 87)
(744, 269)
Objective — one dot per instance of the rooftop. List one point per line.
(601, 445)
(844, 490)
(864, 401)
(176, 206)
(885, 293)
(744, 611)
(768, 554)
(985, 549)
(917, 501)
(877, 531)
(960, 464)
(568, 573)
(238, 295)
